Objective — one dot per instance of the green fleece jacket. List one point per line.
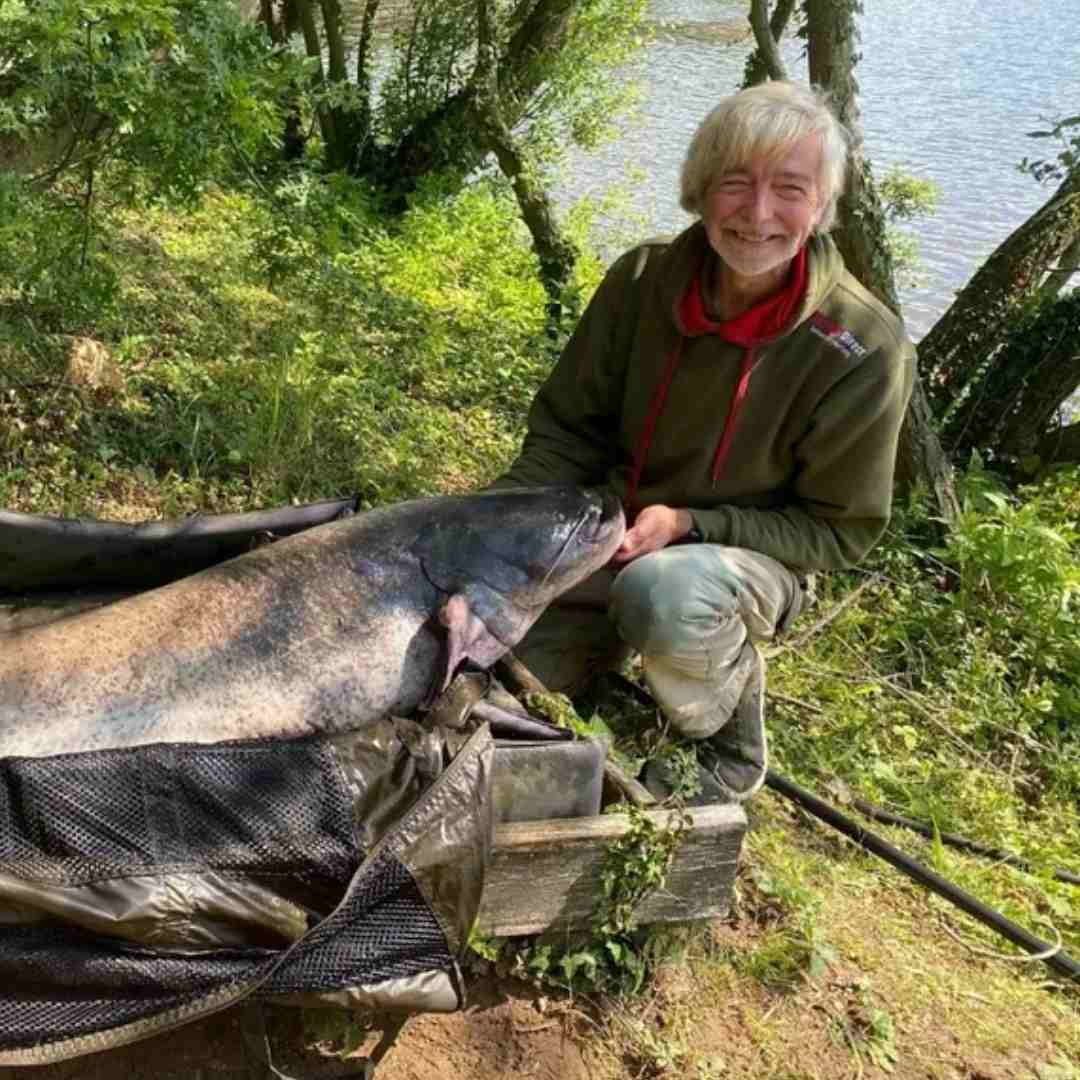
(800, 467)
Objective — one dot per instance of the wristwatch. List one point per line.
(694, 536)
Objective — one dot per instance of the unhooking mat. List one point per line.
(143, 888)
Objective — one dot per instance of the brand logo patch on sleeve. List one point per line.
(838, 335)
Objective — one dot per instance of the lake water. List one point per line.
(948, 91)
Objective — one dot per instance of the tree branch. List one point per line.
(486, 72)
(977, 320)
(767, 48)
(757, 69)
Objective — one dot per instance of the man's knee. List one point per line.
(671, 600)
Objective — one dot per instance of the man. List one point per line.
(743, 394)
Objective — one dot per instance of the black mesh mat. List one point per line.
(265, 808)
(385, 930)
(251, 809)
(58, 983)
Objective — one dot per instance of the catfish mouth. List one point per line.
(601, 525)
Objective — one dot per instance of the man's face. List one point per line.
(758, 217)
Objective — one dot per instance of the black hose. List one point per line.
(961, 842)
(1060, 961)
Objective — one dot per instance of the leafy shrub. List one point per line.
(1018, 561)
(110, 103)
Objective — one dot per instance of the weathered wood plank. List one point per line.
(545, 875)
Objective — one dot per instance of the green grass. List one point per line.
(271, 356)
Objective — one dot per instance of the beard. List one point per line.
(754, 258)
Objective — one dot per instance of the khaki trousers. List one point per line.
(689, 610)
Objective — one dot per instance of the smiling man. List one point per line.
(742, 393)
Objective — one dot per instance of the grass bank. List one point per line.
(263, 352)
(268, 353)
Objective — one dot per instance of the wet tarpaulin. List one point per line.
(39, 552)
(144, 888)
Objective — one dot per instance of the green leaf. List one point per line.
(572, 963)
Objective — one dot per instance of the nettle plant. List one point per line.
(616, 956)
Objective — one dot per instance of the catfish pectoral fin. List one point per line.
(467, 638)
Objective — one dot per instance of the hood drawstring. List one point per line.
(652, 417)
(728, 435)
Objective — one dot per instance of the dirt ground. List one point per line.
(501, 1034)
(718, 1028)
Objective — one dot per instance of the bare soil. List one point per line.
(700, 1026)
(502, 1033)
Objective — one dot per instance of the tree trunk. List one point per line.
(1018, 396)
(1058, 278)
(766, 57)
(363, 154)
(269, 20)
(959, 344)
(757, 66)
(448, 136)
(921, 459)
(833, 40)
(556, 254)
(313, 46)
(833, 53)
(340, 153)
(294, 138)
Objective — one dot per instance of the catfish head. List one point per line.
(502, 556)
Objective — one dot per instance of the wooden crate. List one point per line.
(545, 875)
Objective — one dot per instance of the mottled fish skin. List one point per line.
(326, 630)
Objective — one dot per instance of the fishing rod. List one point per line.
(1051, 955)
(1006, 858)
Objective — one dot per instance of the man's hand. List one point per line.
(655, 528)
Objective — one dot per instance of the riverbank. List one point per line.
(254, 359)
